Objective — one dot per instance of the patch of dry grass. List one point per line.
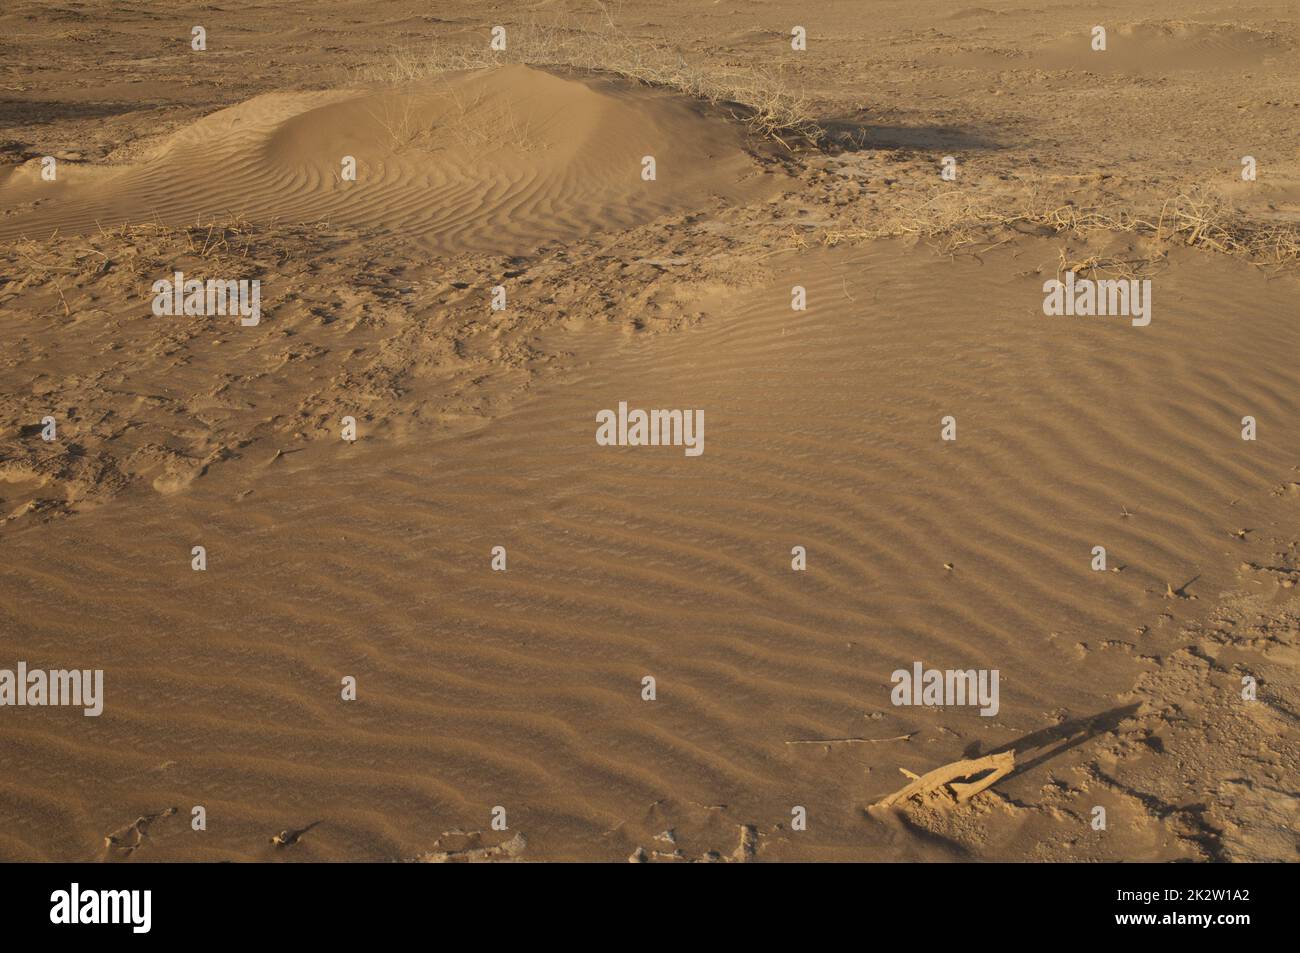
(1196, 218)
(1199, 218)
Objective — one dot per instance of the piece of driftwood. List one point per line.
(132, 837)
(998, 767)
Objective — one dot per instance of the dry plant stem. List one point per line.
(847, 741)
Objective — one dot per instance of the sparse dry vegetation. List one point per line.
(1197, 218)
(130, 256)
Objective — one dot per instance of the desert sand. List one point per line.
(498, 585)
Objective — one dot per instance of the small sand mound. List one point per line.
(1168, 45)
(1151, 46)
(505, 159)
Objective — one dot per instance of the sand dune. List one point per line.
(496, 162)
(521, 687)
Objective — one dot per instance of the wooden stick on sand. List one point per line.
(999, 766)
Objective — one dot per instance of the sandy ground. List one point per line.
(523, 689)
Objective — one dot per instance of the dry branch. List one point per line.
(950, 776)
